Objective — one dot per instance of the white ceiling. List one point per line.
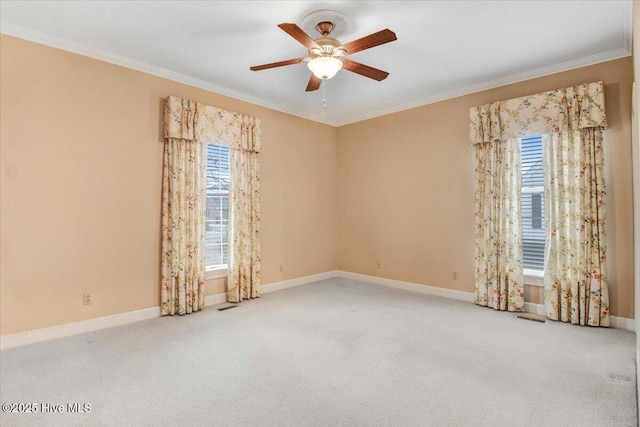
(444, 48)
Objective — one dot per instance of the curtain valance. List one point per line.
(193, 121)
(561, 110)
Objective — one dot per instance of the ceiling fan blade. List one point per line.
(365, 70)
(276, 64)
(314, 83)
(372, 40)
(296, 32)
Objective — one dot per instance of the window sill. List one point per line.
(216, 273)
(534, 277)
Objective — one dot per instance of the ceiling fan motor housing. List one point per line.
(329, 47)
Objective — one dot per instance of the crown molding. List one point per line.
(503, 81)
(101, 55)
(623, 52)
(627, 23)
(112, 58)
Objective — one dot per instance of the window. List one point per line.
(536, 211)
(532, 203)
(217, 216)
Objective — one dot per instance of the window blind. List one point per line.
(532, 203)
(217, 215)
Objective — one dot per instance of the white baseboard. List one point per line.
(285, 284)
(75, 328)
(276, 286)
(214, 299)
(532, 308)
(409, 286)
(616, 322)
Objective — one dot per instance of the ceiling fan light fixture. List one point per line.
(325, 67)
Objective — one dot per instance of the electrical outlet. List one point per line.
(379, 264)
(86, 298)
(454, 275)
(281, 269)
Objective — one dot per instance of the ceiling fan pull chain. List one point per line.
(324, 93)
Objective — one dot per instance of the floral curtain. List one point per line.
(244, 254)
(575, 268)
(183, 223)
(575, 271)
(576, 107)
(188, 127)
(498, 258)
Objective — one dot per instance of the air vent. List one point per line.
(227, 307)
(533, 317)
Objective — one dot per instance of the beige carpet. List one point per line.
(336, 352)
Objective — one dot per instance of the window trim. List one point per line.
(216, 273)
(533, 277)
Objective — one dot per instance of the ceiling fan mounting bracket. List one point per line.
(325, 28)
(318, 20)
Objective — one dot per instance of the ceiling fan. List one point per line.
(327, 55)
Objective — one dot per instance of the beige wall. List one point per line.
(636, 180)
(406, 182)
(81, 167)
(81, 158)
